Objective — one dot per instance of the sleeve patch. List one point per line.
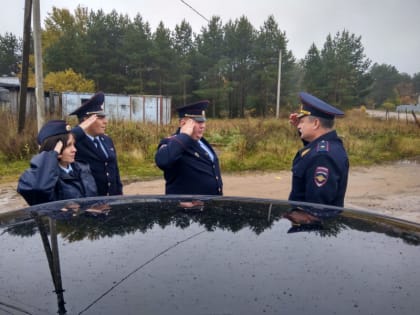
(321, 176)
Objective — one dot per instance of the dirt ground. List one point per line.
(392, 189)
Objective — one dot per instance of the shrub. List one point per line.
(241, 144)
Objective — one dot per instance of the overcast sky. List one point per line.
(390, 29)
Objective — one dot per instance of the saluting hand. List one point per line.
(188, 126)
(293, 119)
(85, 124)
(58, 147)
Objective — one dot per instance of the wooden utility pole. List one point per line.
(39, 78)
(415, 118)
(278, 88)
(25, 65)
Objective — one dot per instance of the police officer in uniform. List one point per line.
(96, 148)
(53, 173)
(189, 163)
(320, 169)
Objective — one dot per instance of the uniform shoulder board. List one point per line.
(323, 146)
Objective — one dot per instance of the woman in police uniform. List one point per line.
(53, 173)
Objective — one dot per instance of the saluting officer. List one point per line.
(189, 163)
(96, 148)
(53, 173)
(320, 169)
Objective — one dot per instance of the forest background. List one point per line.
(234, 65)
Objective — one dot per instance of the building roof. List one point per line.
(9, 81)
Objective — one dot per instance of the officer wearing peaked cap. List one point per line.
(189, 163)
(96, 148)
(53, 173)
(320, 169)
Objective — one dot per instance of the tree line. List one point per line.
(233, 64)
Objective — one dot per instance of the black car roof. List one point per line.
(206, 255)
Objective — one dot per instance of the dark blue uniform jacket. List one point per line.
(45, 181)
(187, 167)
(104, 169)
(320, 171)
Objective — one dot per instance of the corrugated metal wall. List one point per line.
(408, 108)
(143, 108)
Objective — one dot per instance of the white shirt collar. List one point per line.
(67, 170)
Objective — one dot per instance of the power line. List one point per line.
(194, 10)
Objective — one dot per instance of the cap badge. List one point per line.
(301, 113)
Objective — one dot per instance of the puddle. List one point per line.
(410, 161)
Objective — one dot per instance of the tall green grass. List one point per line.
(242, 144)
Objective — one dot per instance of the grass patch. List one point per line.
(11, 170)
(242, 144)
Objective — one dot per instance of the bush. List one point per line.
(14, 146)
(241, 144)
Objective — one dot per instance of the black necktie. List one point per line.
(99, 148)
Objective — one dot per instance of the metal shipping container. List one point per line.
(142, 108)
